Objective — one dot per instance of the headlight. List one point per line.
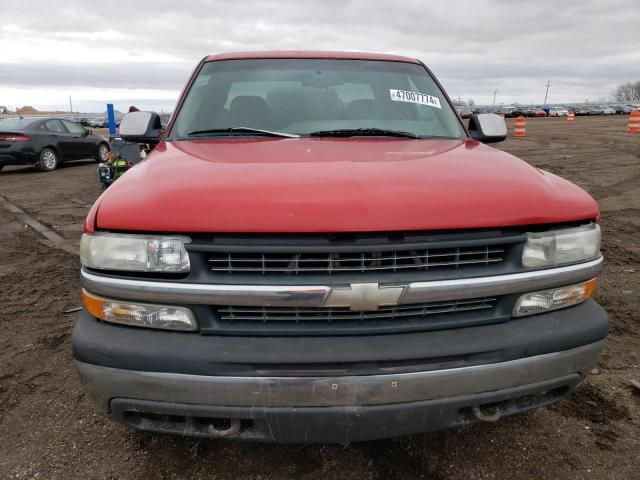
(165, 317)
(553, 299)
(134, 253)
(559, 247)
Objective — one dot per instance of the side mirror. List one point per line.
(141, 127)
(487, 128)
(87, 131)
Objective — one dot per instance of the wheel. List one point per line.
(103, 150)
(48, 160)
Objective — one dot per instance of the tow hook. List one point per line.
(484, 416)
(231, 431)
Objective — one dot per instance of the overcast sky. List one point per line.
(141, 51)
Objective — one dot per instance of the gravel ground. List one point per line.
(48, 431)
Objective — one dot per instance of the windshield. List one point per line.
(307, 96)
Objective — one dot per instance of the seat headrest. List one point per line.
(249, 111)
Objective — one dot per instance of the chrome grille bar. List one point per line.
(319, 295)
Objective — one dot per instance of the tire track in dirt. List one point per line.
(46, 232)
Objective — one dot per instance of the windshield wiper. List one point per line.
(255, 131)
(363, 132)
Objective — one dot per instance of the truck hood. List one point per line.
(335, 185)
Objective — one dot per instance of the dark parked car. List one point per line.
(623, 109)
(527, 111)
(46, 142)
(511, 112)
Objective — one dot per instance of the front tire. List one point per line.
(48, 160)
(103, 150)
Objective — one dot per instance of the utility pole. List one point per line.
(547, 94)
(70, 105)
(495, 92)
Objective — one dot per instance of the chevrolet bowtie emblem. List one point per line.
(364, 296)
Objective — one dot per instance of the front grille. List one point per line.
(331, 315)
(356, 262)
(337, 260)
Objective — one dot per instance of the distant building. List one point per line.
(27, 110)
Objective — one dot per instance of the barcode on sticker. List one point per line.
(414, 97)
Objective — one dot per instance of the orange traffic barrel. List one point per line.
(634, 122)
(521, 127)
(570, 117)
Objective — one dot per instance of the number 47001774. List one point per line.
(414, 97)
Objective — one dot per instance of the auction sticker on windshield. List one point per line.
(414, 97)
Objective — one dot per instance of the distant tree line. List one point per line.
(627, 92)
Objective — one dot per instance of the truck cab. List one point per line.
(318, 249)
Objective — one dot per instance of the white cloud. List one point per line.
(148, 48)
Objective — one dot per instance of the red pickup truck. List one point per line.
(318, 250)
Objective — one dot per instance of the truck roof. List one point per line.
(310, 54)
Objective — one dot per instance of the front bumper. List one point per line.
(104, 383)
(183, 382)
(337, 409)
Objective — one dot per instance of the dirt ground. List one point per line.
(48, 431)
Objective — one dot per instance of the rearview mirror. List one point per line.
(487, 127)
(141, 127)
